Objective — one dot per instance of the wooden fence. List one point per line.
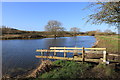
(75, 51)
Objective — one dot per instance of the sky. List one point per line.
(33, 16)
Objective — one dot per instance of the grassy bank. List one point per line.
(11, 33)
(109, 42)
(29, 36)
(70, 69)
(62, 69)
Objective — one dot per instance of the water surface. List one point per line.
(19, 55)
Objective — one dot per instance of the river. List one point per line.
(18, 56)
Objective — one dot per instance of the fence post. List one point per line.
(55, 53)
(64, 52)
(42, 54)
(83, 54)
(104, 56)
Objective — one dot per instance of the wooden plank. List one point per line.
(64, 48)
(54, 57)
(45, 50)
(114, 55)
(96, 48)
(93, 60)
(73, 51)
(77, 48)
(93, 52)
(66, 58)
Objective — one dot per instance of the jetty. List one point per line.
(78, 54)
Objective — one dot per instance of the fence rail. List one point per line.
(77, 48)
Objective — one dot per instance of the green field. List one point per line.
(109, 42)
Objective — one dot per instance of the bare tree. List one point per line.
(98, 31)
(54, 27)
(75, 30)
(108, 31)
(106, 12)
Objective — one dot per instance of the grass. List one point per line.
(62, 69)
(109, 42)
(104, 71)
(66, 69)
(71, 69)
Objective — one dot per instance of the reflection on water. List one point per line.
(19, 55)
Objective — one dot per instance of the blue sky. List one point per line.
(33, 16)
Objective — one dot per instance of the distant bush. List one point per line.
(93, 33)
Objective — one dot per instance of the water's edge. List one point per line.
(33, 70)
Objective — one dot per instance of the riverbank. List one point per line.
(62, 69)
(109, 42)
(30, 36)
(71, 69)
(11, 33)
(112, 45)
(52, 68)
(36, 36)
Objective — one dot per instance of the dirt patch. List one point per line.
(43, 67)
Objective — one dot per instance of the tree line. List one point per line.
(54, 28)
(106, 12)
